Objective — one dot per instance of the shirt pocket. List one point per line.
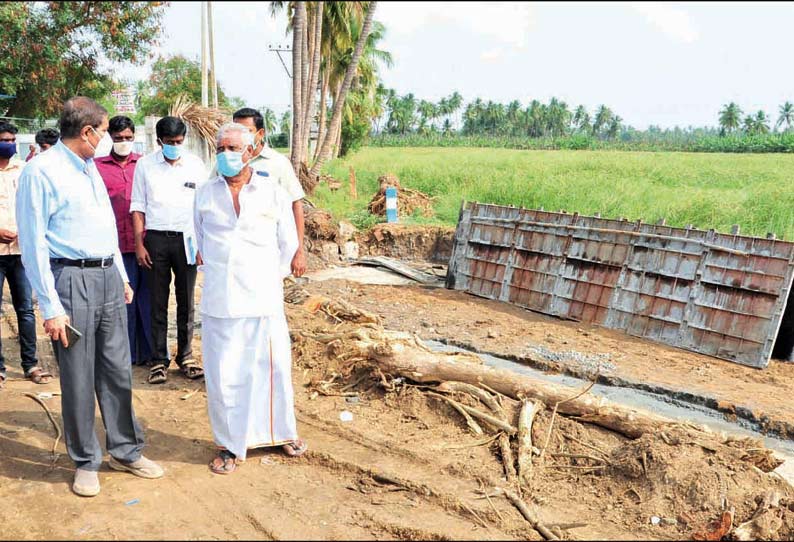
(260, 229)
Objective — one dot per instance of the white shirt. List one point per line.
(246, 257)
(280, 170)
(163, 192)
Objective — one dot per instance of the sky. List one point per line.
(665, 64)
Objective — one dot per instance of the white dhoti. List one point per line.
(247, 368)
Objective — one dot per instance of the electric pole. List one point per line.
(213, 83)
(204, 101)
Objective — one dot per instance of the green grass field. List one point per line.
(708, 190)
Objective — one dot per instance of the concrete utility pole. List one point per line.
(278, 49)
(204, 101)
(213, 70)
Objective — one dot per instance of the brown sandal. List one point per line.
(296, 448)
(191, 369)
(157, 374)
(38, 375)
(228, 462)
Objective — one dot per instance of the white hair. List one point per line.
(230, 127)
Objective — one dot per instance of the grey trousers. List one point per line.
(98, 363)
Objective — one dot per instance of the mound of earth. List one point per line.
(408, 200)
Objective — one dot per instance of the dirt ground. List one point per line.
(406, 466)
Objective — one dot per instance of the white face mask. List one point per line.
(123, 148)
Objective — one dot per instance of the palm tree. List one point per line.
(455, 102)
(581, 119)
(427, 111)
(270, 120)
(761, 123)
(786, 116)
(336, 116)
(748, 125)
(602, 118)
(614, 127)
(729, 117)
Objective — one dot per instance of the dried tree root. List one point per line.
(529, 409)
(533, 520)
(58, 431)
(473, 425)
(507, 458)
(486, 398)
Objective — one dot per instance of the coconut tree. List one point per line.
(761, 123)
(786, 116)
(427, 111)
(730, 117)
(336, 116)
(581, 119)
(602, 119)
(614, 127)
(748, 124)
(455, 102)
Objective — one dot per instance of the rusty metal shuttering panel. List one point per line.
(717, 294)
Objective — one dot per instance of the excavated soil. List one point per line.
(406, 466)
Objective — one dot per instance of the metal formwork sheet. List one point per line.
(714, 293)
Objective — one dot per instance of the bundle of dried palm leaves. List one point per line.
(204, 121)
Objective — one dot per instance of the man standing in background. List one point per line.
(162, 205)
(280, 170)
(117, 171)
(11, 268)
(45, 138)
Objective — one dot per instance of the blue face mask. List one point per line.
(172, 152)
(7, 150)
(230, 163)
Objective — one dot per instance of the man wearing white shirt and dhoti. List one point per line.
(246, 235)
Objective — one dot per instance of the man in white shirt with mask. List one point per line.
(280, 171)
(246, 235)
(163, 192)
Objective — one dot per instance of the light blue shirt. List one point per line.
(63, 211)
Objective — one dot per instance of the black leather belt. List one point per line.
(166, 233)
(104, 263)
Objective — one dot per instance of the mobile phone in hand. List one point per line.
(72, 335)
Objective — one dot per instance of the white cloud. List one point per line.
(673, 21)
(507, 22)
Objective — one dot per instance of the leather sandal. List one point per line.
(228, 462)
(191, 369)
(38, 375)
(158, 374)
(296, 448)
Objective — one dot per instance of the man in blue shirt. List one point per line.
(67, 233)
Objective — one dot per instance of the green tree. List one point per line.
(171, 77)
(786, 116)
(52, 51)
(761, 123)
(730, 117)
(581, 119)
(602, 119)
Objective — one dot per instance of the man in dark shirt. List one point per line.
(117, 171)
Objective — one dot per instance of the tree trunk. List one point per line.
(314, 72)
(323, 107)
(402, 354)
(336, 116)
(298, 22)
(305, 61)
